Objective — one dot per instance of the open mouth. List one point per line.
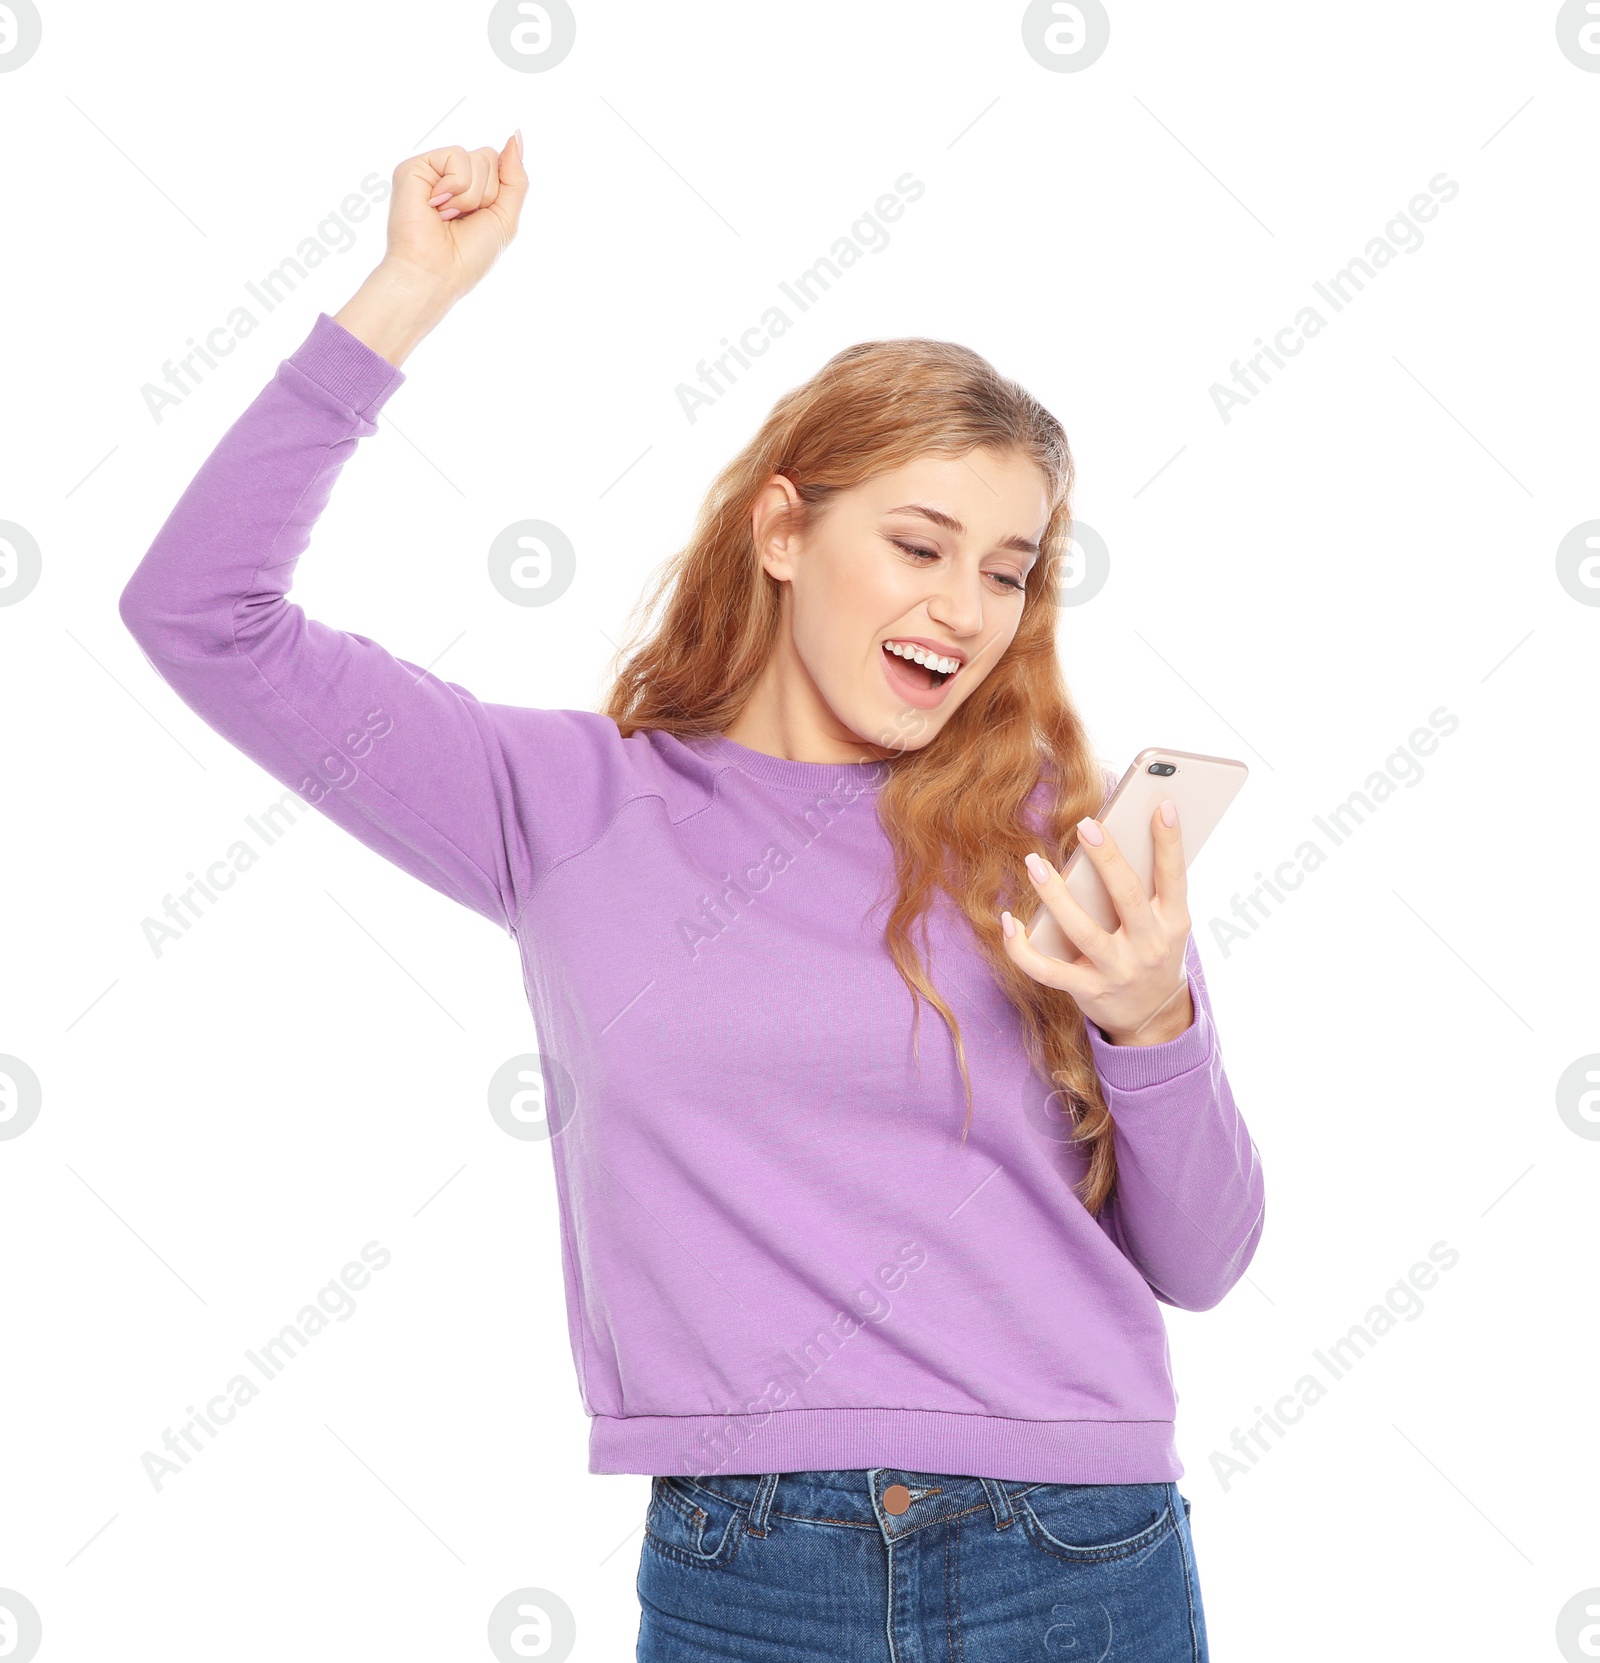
(924, 675)
(922, 672)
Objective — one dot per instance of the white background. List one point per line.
(1372, 538)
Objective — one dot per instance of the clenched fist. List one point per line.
(452, 212)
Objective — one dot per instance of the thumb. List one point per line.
(513, 180)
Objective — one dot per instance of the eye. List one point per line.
(1014, 585)
(911, 548)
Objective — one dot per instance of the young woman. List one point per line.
(874, 1302)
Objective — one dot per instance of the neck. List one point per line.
(785, 716)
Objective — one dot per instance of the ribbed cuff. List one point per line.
(345, 367)
(1128, 1067)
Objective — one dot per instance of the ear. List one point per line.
(778, 549)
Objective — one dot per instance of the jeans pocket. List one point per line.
(691, 1525)
(1092, 1523)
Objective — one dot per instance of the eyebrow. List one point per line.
(1023, 545)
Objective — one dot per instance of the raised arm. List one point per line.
(415, 767)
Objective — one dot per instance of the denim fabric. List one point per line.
(758, 1568)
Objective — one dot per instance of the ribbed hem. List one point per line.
(818, 778)
(917, 1440)
(349, 369)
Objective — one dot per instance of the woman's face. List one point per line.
(931, 559)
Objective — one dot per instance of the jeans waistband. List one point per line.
(891, 1499)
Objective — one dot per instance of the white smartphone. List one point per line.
(1201, 786)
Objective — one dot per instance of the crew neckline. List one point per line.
(798, 776)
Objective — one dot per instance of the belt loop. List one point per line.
(999, 1501)
(761, 1504)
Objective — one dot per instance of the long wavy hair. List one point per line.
(957, 810)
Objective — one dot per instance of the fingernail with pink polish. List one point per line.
(443, 196)
(1008, 924)
(449, 213)
(1090, 832)
(1169, 812)
(1037, 870)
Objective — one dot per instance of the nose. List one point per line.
(958, 603)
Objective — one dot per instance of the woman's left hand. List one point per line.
(1132, 981)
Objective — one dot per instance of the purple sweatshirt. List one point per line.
(778, 1251)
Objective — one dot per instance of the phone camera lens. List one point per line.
(1162, 768)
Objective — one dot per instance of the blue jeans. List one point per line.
(887, 1566)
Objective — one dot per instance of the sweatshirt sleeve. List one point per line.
(1189, 1202)
(475, 799)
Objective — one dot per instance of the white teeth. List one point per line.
(921, 655)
